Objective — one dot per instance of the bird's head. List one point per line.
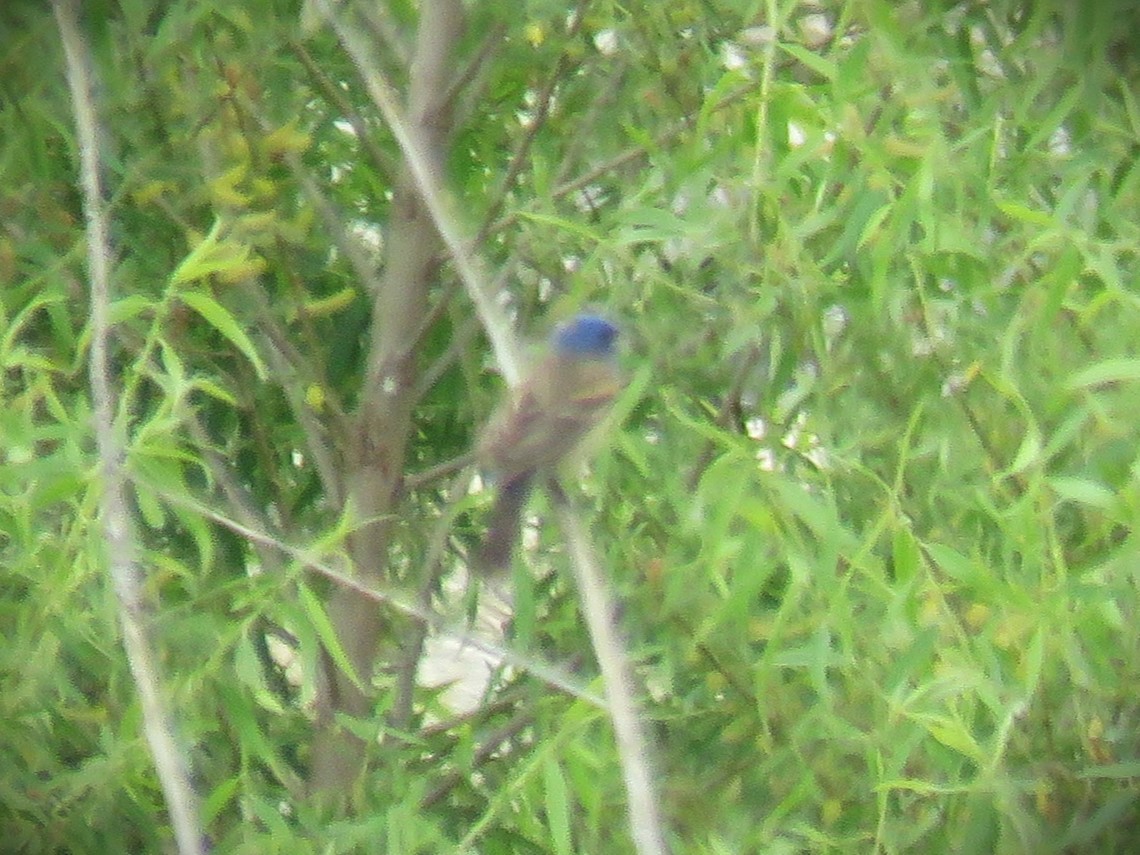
(586, 335)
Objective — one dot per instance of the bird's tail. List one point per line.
(498, 546)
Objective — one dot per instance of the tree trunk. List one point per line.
(375, 458)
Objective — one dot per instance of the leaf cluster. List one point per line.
(869, 505)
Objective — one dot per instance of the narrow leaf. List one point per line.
(1108, 371)
(220, 318)
(319, 618)
(557, 807)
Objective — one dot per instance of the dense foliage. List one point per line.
(869, 509)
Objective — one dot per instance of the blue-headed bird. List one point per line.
(566, 394)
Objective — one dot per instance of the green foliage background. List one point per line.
(870, 512)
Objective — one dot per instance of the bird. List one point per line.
(558, 402)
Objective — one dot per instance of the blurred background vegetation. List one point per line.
(869, 512)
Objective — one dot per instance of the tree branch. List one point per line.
(376, 450)
(170, 765)
(441, 209)
(633, 748)
(552, 675)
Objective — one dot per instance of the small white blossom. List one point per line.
(796, 135)
(606, 42)
(815, 30)
(733, 57)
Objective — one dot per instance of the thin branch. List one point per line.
(729, 412)
(288, 370)
(552, 675)
(440, 470)
(170, 765)
(460, 340)
(417, 634)
(541, 111)
(490, 747)
(381, 161)
(334, 227)
(344, 240)
(466, 78)
(619, 160)
(633, 748)
(440, 208)
(237, 497)
(377, 18)
(600, 106)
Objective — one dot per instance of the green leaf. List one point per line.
(1033, 660)
(954, 564)
(223, 794)
(151, 508)
(1107, 371)
(1028, 452)
(1017, 211)
(318, 617)
(953, 734)
(1084, 491)
(19, 324)
(905, 554)
(217, 316)
(130, 306)
(205, 258)
(214, 390)
(819, 64)
(557, 802)
(1113, 771)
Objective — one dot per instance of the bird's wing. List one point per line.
(549, 414)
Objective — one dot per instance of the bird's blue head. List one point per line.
(586, 335)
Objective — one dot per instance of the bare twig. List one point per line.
(619, 160)
(462, 337)
(633, 748)
(465, 81)
(440, 470)
(551, 675)
(729, 412)
(378, 19)
(430, 576)
(288, 370)
(334, 227)
(236, 496)
(170, 764)
(491, 745)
